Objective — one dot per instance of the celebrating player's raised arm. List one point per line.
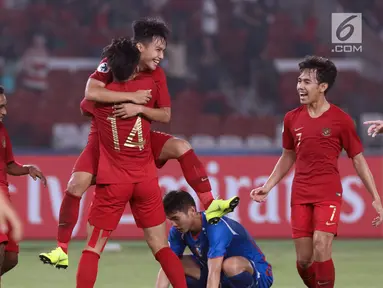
(376, 127)
(283, 166)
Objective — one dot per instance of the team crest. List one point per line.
(198, 250)
(103, 68)
(4, 142)
(326, 132)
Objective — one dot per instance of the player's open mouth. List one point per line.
(156, 62)
(301, 94)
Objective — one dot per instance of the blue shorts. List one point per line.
(263, 276)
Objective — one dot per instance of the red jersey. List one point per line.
(125, 150)
(318, 143)
(104, 75)
(6, 154)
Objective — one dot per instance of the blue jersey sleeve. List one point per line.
(220, 236)
(176, 243)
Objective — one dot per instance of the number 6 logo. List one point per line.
(344, 26)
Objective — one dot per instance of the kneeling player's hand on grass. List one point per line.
(126, 110)
(36, 173)
(378, 207)
(376, 127)
(142, 96)
(259, 194)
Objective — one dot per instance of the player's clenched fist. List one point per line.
(142, 96)
(378, 207)
(376, 127)
(259, 194)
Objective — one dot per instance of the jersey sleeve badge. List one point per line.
(103, 68)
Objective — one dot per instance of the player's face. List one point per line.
(152, 53)
(3, 107)
(308, 88)
(182, 221)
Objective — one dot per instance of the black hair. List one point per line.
(146, 30)
(1, 89)
(326, 71)
(122, 57)
(177, 201)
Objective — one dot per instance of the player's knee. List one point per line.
(78, 183)
(181, 146)
(236, 265)
(304, 263)
(322, 243)
(156, 238)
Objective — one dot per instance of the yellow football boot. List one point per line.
(219, 208)
(56, 257)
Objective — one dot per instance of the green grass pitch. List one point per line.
(359, 263)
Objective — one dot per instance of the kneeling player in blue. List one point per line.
(223, 255)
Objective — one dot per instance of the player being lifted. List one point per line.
(9, 248)
(126, 173)
(151, 38)
(313, 137)
(223, 255)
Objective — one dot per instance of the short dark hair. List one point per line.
(177, 201)
(122, 57)
(1, 89)
(326, 71)
(146, 29)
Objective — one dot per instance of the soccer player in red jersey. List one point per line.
(9, 248)
(151, 37)
(313, 137)
(126, 173)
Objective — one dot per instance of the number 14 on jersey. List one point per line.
(137, 130)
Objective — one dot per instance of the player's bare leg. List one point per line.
(239, 271)
(196, 176)
(88, 265)
(11, 259)
(305, 257)
(156, 237)
(2, 257)
(78, 183)
(325, 270)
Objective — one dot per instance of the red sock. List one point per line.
(195, 174)
(307, 275)
(325, 274)
(87, 269)
(68, 217)
(172, 267)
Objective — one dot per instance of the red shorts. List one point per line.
(307, 218)
(110, 200)
(11, 245)
(88, 159)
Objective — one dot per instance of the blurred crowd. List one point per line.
(220, 61)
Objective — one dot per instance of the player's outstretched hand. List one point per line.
(376, 127)
(259, 194)
(378, 207)
(142, 96)
(126, 110)
(36, 173)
